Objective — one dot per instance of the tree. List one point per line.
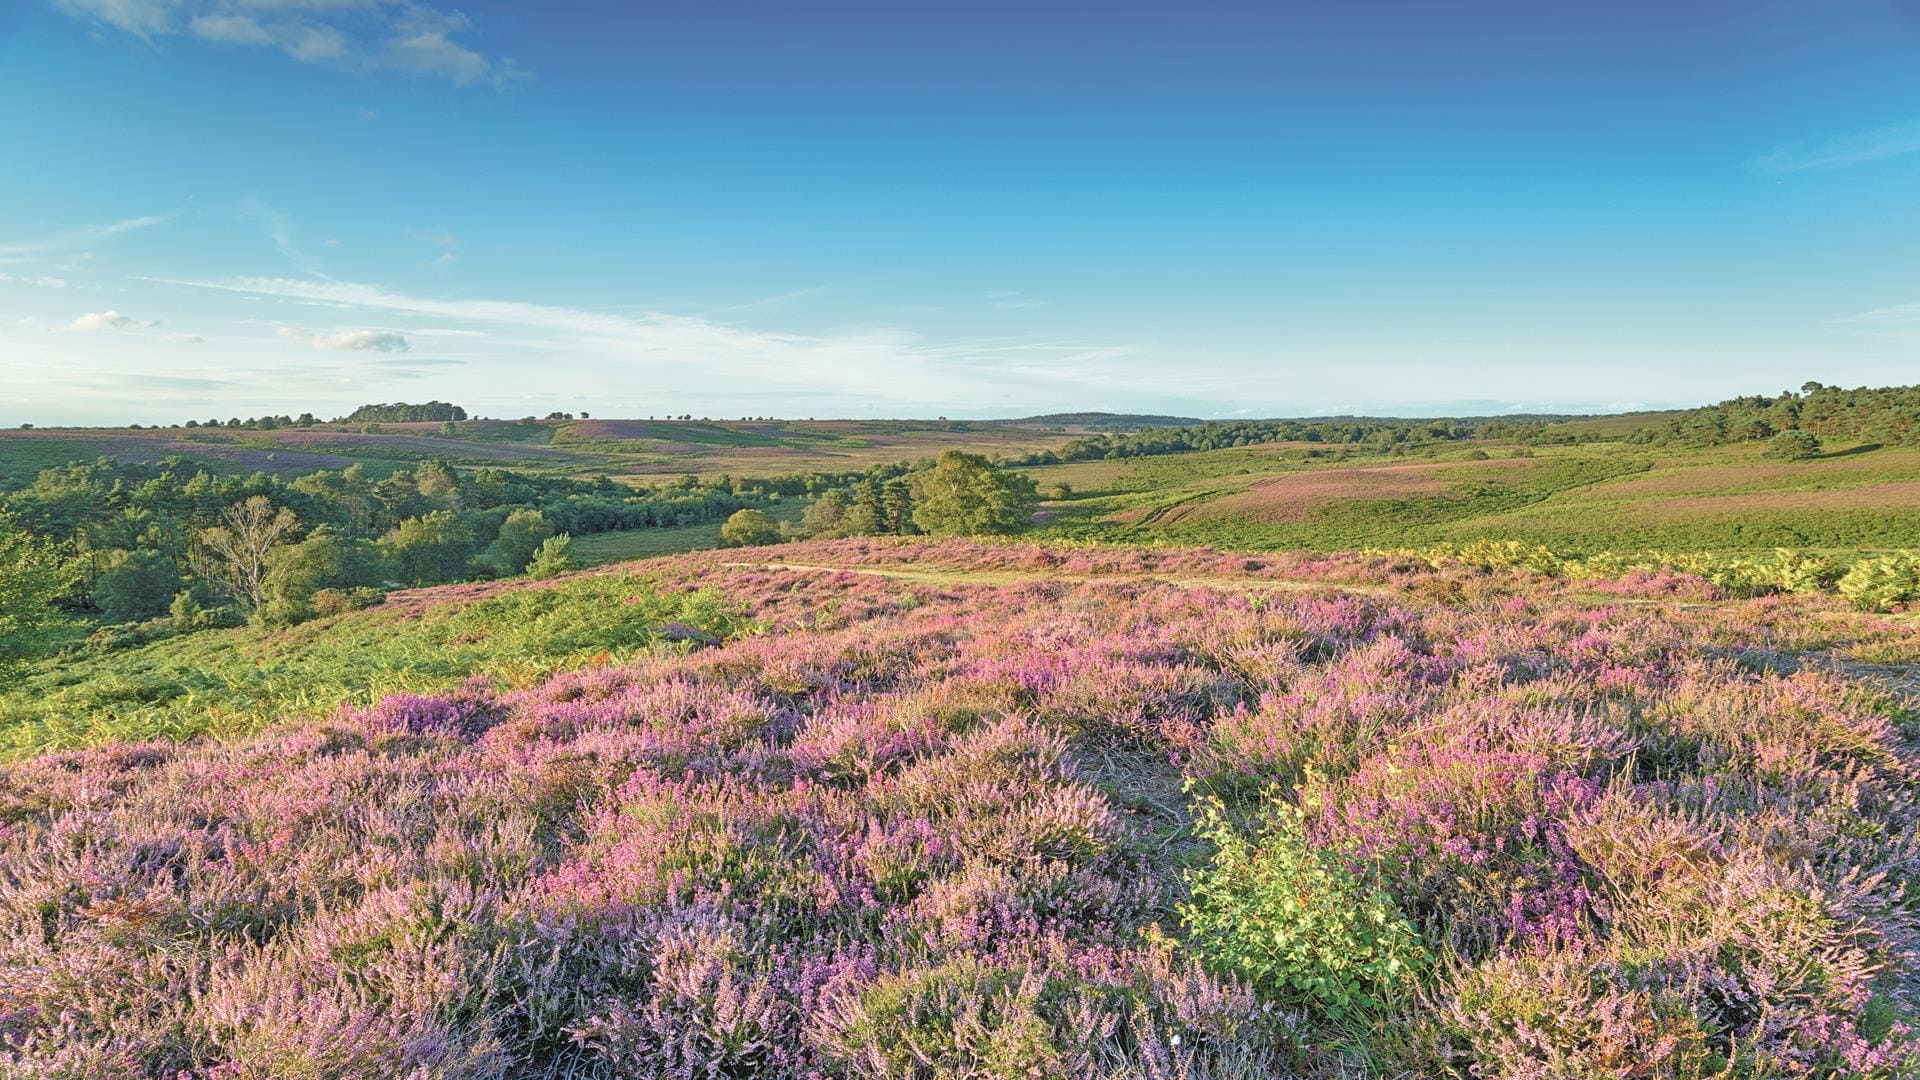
(551, 560)
(749, 528)
(964, 494)
(235, 551)
(438, 483)
(430, 548)
(1793, 446)
(136, 585)
(323, 561)
(521, 536)
(31, 576)
(827, 517)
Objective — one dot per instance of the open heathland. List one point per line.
(912, 808)
(1585, 497)
(617, 448)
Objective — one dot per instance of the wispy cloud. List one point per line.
(279, 229)
(79, 239)
(1897, 316)
(1840, 151)
(353, 35)
(1013, 300)
(350, 340)
(108, 320)
(42, 281)
(875, 363)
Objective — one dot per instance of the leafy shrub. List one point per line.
(340, 601)
(551, 560)
(1295, 921)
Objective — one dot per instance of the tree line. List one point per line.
(1887, 414)
(1218, 435)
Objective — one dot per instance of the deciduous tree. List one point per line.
(234, 552)
(964, 494)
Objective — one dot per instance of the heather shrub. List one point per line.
(402, 982)
(1467, 839)
(711, 1009)
(1296, 922)
(1559, 1015)
(1138, 1016)
(733, 821)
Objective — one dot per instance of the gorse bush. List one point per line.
(1295, 921)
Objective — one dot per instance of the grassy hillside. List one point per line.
(1579, 498)
(871, 809)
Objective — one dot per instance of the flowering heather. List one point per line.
(935, 809)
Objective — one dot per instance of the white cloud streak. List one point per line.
(1897, 315)
(108, 320)
(350, 340)
(1840, 151)
(41, 281)
(279, 229)
(353, 35)
(81, 238)
(881, 363)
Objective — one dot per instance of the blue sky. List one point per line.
(219, 207)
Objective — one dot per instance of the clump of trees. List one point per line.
(255, 423)
(1887, 414)
(959, 494)
(400, 412)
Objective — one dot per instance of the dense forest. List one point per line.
(1887, 414)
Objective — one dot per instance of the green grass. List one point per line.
(228, 681)
(1577, 499)
(599, 549)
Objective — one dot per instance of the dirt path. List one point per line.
(934, 576)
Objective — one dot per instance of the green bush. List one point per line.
(749, 528)
(1793, 446)
(1295, 921)
(552, 559)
